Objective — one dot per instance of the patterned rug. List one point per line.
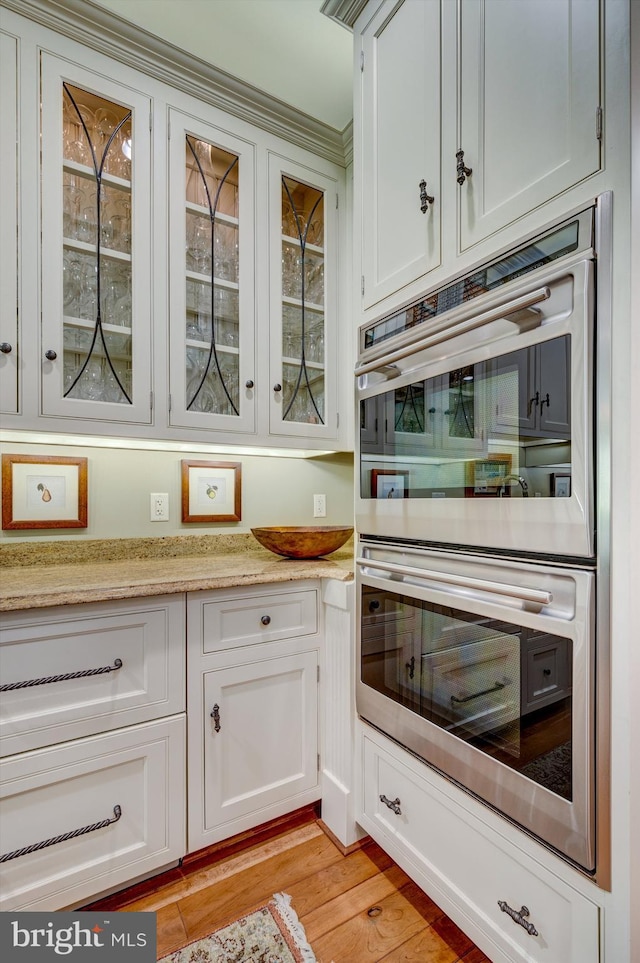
(271, 934)
(553, 770)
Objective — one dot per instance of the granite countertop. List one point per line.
(34, 575)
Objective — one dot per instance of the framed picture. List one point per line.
(560, 486)
(211, 491)
(44, 491)
(486, 476)
(389, 483)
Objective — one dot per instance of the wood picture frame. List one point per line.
(389, 483)
(44, 491)
(211, 491)
(485, 476)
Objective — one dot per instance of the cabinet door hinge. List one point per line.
(337, 201)
(361, 61)
(317, 673)
(337, 419)
(599, 123)
(150, 121)
(169, 400)
(362, 285)
(151, 400)
(318, 761)
(169, 129)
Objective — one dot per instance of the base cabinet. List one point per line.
(252, 708)
(513, 909)
(92, 747)
(84, 817)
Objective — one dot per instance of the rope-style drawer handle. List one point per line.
(81, 674)
(117, 813)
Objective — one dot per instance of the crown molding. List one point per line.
(106, 32)
(345, 12)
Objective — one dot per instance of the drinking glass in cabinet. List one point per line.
(97, 262)
(212, 272)
(302, 302)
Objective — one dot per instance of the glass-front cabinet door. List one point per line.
(303, 302)
(212, 313)
(96, 244)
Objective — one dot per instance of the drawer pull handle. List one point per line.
(392, 804)
(215, 715)
(476, 695)
(518, 917)
(266, 620)
(117, 813)
(81, 674)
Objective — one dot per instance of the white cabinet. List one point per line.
(528, 106)
(10, 301)
(72, 671)
(212, 308)
(494, 106)
(303, 361)
(252, 706)
(92, 727)
(91, 815)
(401, 59)
(512, 908)
(96, 231)
(149, 267)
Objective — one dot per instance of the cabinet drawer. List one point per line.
(89, 668)
(234, 620)
(471, 871)
(127, 787)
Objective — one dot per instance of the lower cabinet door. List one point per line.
(259, 745)
(512, 907)
(84, 817)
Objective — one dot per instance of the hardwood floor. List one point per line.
(331, 892)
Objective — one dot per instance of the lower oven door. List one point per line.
(485, 669)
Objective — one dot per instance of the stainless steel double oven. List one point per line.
(482, 531)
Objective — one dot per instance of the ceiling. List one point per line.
(286, 48)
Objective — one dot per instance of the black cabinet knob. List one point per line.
(277, 387)
(50, 355)
(5, 347)
(266, 619)
(248, 384)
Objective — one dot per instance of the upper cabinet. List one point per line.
(96, 227)
(177, 269)
(400, 153)
(212, 291)
(528, 106)
(469, 117)
(9, 226)
(303, 310)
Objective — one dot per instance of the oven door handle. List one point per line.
(528, 596)
(515, 309)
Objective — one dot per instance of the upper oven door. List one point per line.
(479, 432)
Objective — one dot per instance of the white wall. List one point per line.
(275, 491)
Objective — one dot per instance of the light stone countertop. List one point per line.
(35, 575)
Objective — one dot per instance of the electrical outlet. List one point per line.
(159, 506)
(319, 506)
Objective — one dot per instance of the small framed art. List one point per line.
(44, 491)
(211, 491)
(560, 486)
(389, 483)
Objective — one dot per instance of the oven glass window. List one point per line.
(499, 686)
(497, 429)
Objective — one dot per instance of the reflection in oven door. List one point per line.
(484, 669)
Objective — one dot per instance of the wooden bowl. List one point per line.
(303, 541)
